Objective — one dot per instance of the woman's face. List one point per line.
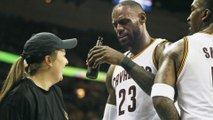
(59, 64)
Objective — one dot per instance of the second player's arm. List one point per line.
(163, 90)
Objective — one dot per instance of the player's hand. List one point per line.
(104, 54)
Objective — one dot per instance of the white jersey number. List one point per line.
(122, 95)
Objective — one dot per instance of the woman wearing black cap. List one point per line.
(29, 92)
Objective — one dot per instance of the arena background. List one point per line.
(85, 20)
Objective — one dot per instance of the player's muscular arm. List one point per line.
(142, 77)
(110, 112)
(165, 108)
(167, 74)
(111, 98)
(163, 105)
(159, 51)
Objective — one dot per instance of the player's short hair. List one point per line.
(132, 4)
(209, 4)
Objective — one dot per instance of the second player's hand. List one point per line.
(104, 54)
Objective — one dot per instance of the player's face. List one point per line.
(59, 64)
(126, 25)
(195, 18)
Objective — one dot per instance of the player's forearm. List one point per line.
(165, 108)
(142, 77)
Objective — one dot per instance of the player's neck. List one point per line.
(209, 29)
(145, 42)
(141, 45)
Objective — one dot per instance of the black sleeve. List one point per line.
(15, 107)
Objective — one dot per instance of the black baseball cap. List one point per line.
(44, 43)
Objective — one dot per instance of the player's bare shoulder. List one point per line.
(175, 51)
(160, 48)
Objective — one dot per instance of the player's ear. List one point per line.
(206, 14)
(142, 17)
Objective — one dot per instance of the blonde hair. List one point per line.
(15, 74)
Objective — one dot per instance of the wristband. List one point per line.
(127, 64)
(161, 89)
